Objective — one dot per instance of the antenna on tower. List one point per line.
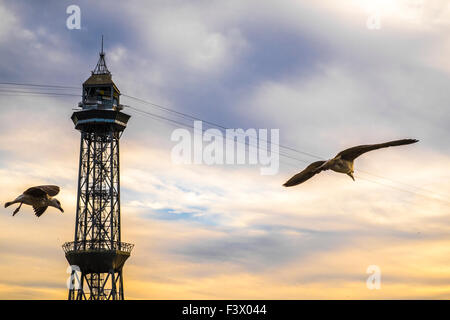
(101, 67)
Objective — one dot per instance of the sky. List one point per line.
(322, 72)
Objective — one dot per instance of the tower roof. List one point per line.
(101, 75)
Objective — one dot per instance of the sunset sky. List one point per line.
(319, 71)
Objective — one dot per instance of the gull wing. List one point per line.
(38, 211)
(354, 152)
(306, 174)
(42, 191)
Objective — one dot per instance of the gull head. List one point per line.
(55, 203)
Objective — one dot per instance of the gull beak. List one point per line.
(350, 174)
(61, 209)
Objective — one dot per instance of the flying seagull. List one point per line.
(39, 198)
(342, 162)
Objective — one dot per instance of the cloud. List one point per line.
(312, 70)
(8, 21)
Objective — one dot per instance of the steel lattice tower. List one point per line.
(97, 250)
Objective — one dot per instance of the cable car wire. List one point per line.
(210, 123)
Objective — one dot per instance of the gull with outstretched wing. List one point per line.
(39, 198)
(342, 162)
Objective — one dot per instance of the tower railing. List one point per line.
(96, 245)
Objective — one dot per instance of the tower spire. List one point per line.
(101, 67)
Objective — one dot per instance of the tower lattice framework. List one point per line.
(97, 254)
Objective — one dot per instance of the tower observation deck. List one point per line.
(97, 250)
